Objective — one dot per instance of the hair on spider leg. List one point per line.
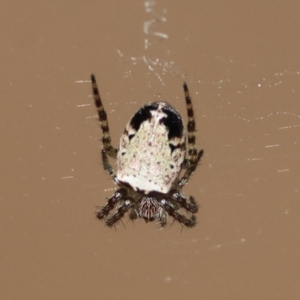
(122, 223)
(173, 223)
(112, 227)
(163, 219)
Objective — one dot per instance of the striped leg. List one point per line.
(190, 168)
(118, 196)
(189, 222)
(194, 156)
(106, 140)
(189, 205)
(108, 168)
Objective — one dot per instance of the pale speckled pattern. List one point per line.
(146, 164)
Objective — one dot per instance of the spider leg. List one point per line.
(111, 203)
(190, 206)
(122, 210)
(108, 168)
(106, 140)
(163, 216)
(189, 170)
(189, 222)
(193, 156)
(191, 127)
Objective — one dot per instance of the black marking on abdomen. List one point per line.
(179, 146)
(142, 115)
(173, 122)
(131, 136)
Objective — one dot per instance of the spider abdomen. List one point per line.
(152, 148)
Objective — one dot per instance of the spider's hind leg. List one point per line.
(190, 206)
(193, 156)
(108, 168)
(121, 211)
(106, 140)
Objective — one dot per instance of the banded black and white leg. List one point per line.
(108, 149)
(189, 222)
(106, 140)
(193, 156)
(119, 197)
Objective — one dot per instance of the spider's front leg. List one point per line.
(111, 203)
(106, 140)
(189, 222)
(179, 199)
(122, 210)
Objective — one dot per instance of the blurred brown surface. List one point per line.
(241, 62)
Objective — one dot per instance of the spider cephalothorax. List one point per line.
(150, 157)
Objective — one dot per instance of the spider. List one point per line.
(150, 157)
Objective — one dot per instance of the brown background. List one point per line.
(242, 65)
